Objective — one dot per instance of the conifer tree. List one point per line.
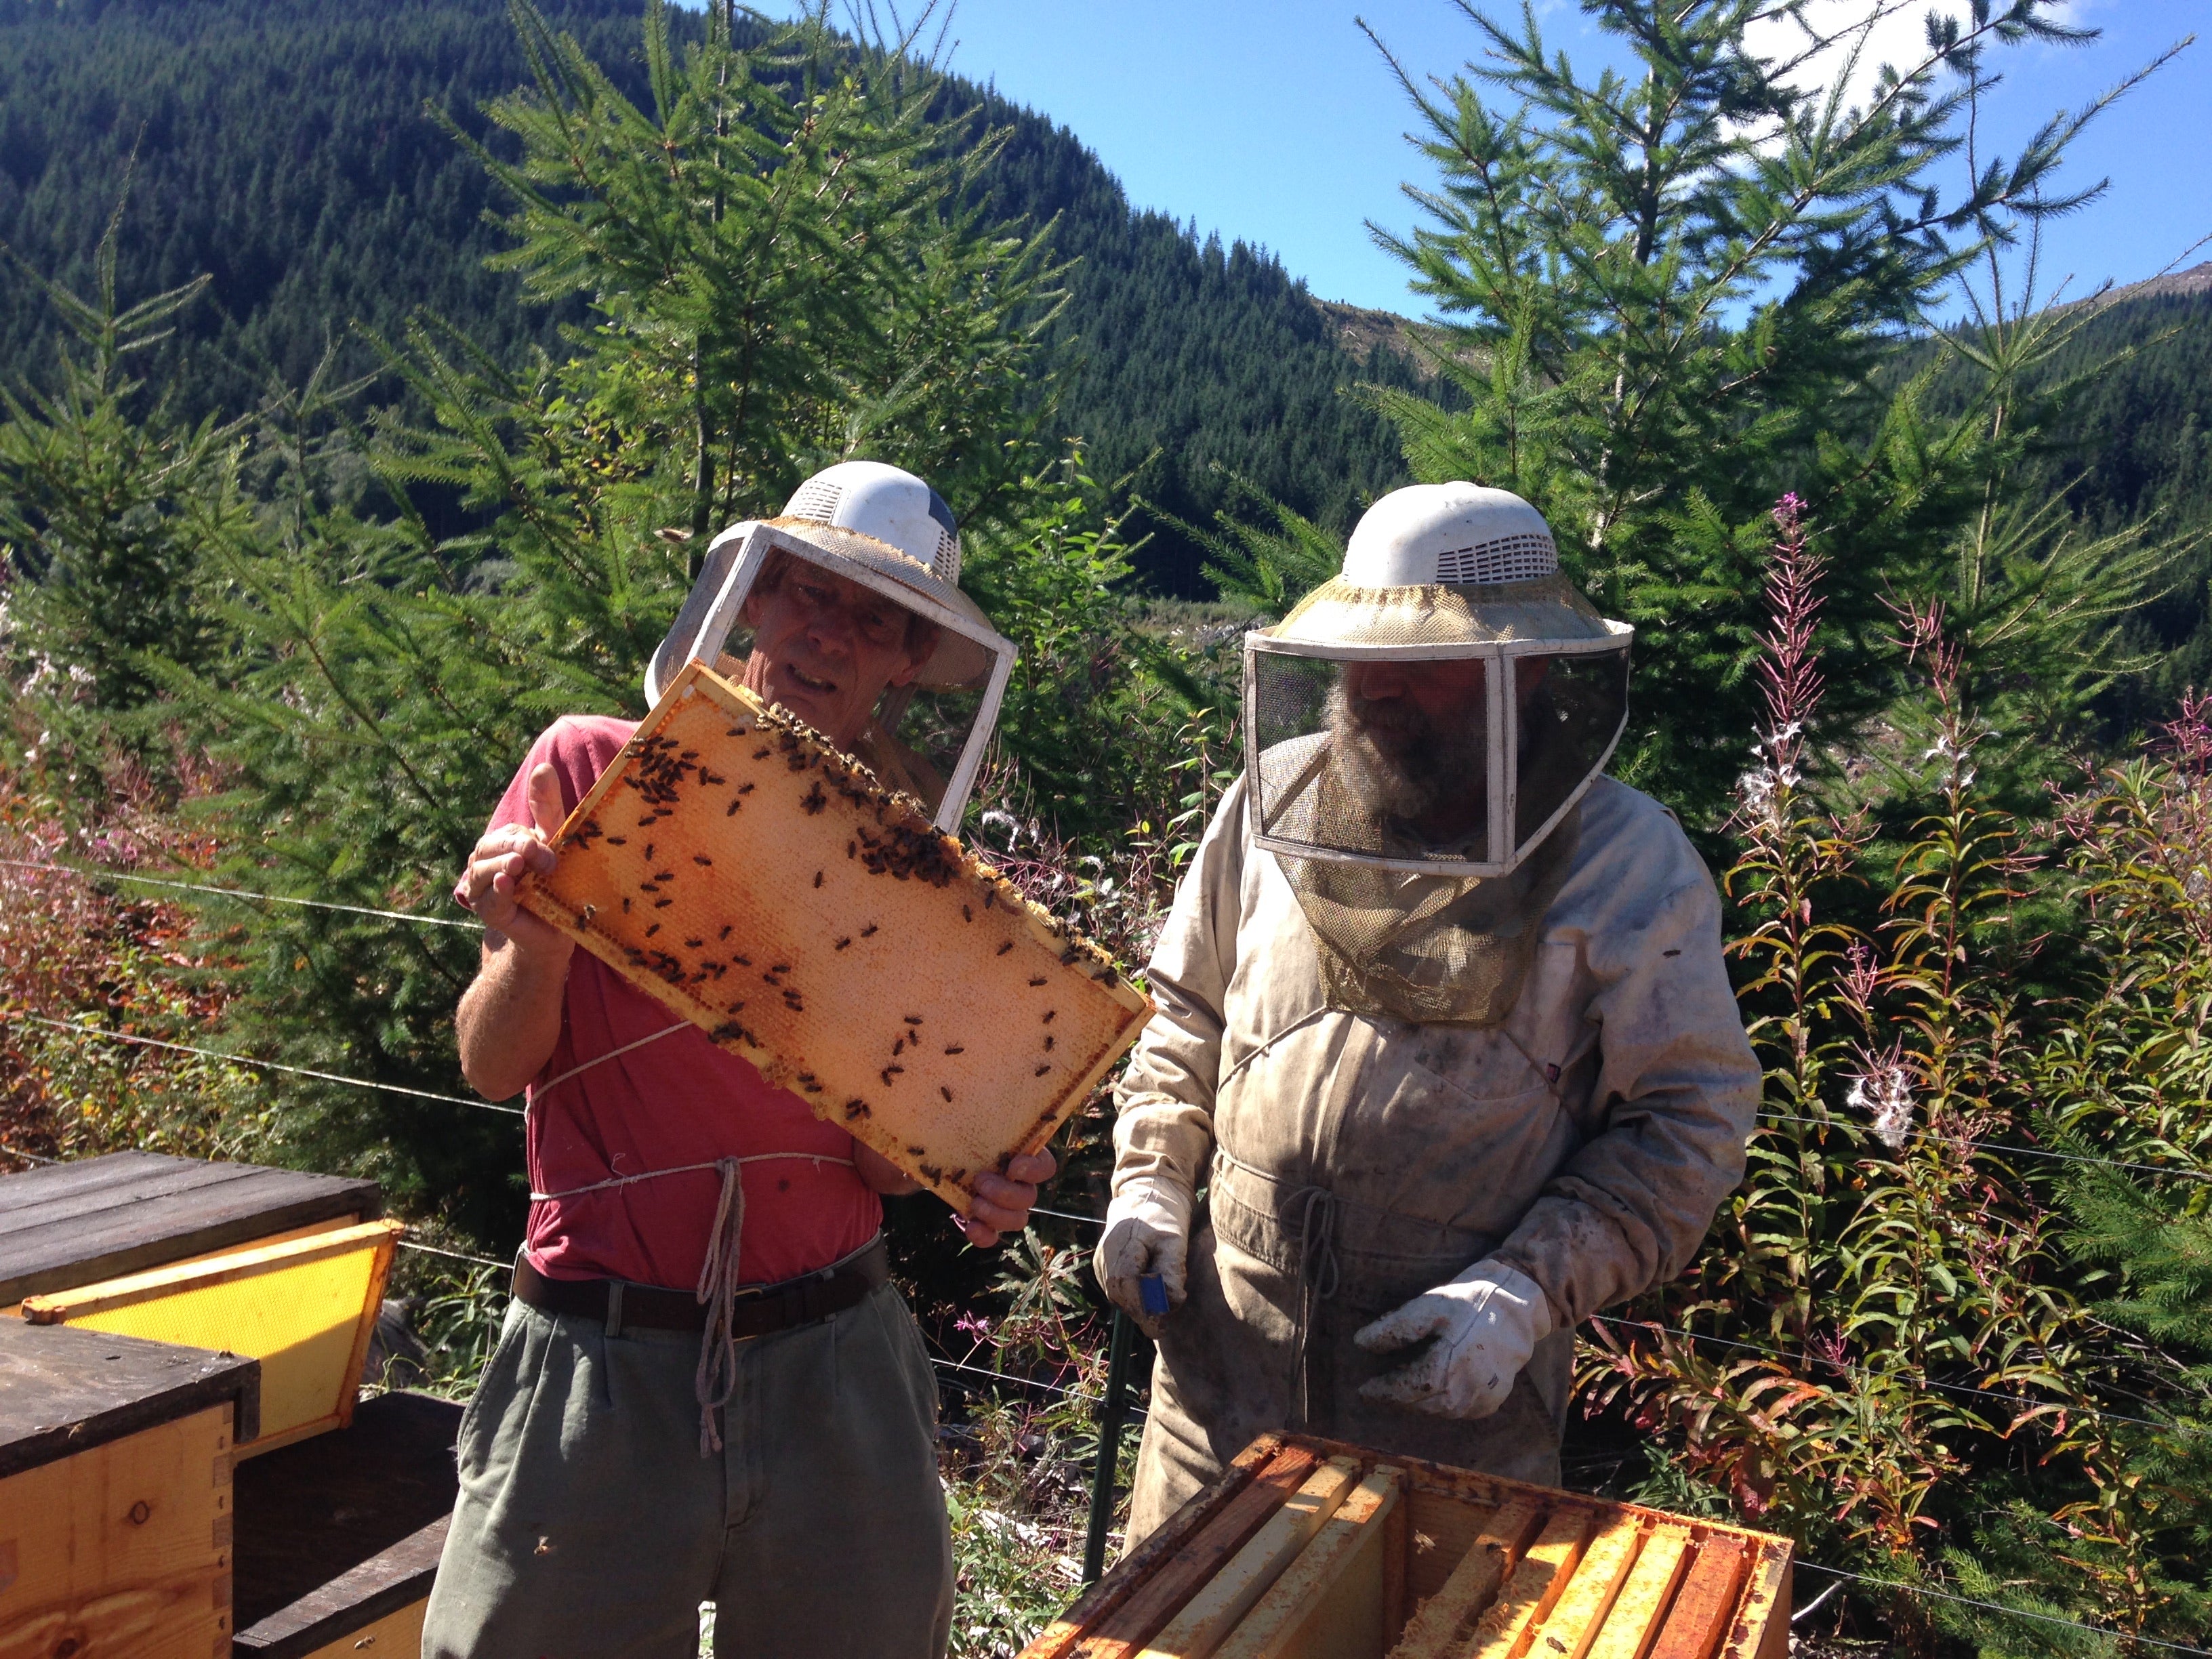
(1669, 297)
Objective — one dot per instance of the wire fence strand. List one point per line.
(2184, 1173)
(2104, 1631)
(251, 1064)
(100, 873)
(1654, 1328)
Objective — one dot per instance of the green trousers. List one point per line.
(589, 1526)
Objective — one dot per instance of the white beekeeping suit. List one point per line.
(1443, 1030)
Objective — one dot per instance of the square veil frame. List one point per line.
(1502, 717)
(742, 552)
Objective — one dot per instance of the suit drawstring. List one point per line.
(1318, 1278)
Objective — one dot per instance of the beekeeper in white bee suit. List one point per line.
(1443, 1027)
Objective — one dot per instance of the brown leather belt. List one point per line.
(760, 1308)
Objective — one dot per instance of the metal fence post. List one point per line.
(1112, 1410)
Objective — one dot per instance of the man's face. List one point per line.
(1413, 738)
(825, 647)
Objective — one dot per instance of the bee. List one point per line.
(867, 930)
(744, 789)
(648, 851)
(842, 943)
(651, 931)
(946, 1092)
(693, 944)
(741, 962)
(888, 1073)
(617, 840)
(761, 754)
(662, 904)
(625, 904)
(732, 811)
(1041, 1069)
(648, 887)
(813, 800)
(725, 933)
(781, 967)
(990, 896)
(855, 1108)
(1039, 980)
(590, 910)
(899, 1047)
(1048, 1045)
(852, 849)
(1004, 948)
(955, 1048)
(737, 1007)
(791, 1000)
(1048, 1014)
(917, 1152)
(817, 879)
(703, 861)
(966, 915)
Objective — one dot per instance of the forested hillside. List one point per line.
(283, 147)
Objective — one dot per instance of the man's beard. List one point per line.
(1397, 763)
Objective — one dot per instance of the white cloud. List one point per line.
(1876, 29)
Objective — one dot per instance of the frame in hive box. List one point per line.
(1308, 1548)
(759, 884)
(304, 1306)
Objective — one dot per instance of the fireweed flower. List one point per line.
(1885, 1093)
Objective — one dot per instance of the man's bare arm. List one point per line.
(510, 1016)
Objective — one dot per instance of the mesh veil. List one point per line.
(1436, 925)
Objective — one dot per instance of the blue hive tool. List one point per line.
(1152, 1294)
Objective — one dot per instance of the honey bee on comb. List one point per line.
(758, 881)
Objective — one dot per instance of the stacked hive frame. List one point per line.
(1308, 1548)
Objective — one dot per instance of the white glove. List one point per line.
(1147, 1234)
(1487, 1323)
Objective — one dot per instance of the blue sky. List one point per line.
(1275, 121)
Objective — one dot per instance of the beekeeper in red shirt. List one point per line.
(707, 1390)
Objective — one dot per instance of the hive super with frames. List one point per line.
(744, 872)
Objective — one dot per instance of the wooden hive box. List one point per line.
(115, 1493)
(304, 1306)
(97, 1218)
(338, 1537)
(1308, 1548)
(760, 884)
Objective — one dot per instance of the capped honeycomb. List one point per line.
(757, 881)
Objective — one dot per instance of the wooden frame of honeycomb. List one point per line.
(738, 868)
(1308, 1548)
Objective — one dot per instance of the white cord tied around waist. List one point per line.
(717, 1289)
(717, 1374)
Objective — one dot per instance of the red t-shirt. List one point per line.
(674, 1101)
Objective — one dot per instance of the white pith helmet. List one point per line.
(887, 503)
(1449, 532)
(1445, 566)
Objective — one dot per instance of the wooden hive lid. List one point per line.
(96, 1218)
(63, 1390)
(758, 883)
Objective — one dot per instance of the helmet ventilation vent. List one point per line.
(816, 501)
(1508, 559)
(946, 564)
